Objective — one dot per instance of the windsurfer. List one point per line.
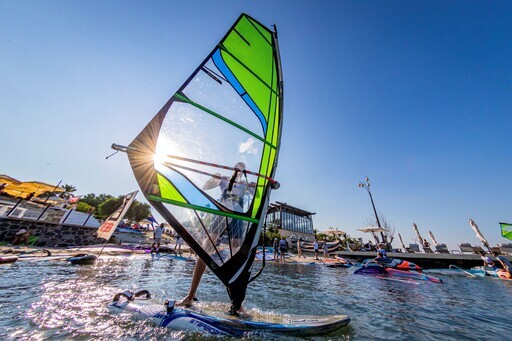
(233, 196)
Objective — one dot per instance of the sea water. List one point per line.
(55, 300)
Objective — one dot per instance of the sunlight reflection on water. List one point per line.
(43, 300)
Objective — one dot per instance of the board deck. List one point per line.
(219, 323)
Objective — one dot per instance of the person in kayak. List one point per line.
(234, 193)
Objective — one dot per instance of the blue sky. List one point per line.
(415, 95)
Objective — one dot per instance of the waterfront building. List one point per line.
(291, 222)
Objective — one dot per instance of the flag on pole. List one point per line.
(108, 227)
(506, 230)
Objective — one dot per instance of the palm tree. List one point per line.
(68, 189)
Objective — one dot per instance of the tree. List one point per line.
(68, 189)
(108, 207)
(95, 200)
(138, 211)
(84, 207)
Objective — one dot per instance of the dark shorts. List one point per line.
(282, 249)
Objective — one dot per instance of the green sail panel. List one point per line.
(506, 230)
(208, 158)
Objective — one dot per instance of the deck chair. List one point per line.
(506, 248)
(414, 248)
(478, 249)
(442, 248)
(496, 250)
(465, 247)
(353, 247)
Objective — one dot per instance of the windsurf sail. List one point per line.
(506, 230)
(207, 160)
(109, 226)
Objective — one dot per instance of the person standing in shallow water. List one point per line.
(299, 248)
(276, 248)
(157, 235)
(315, 247)
(282, 248)
(326, 249)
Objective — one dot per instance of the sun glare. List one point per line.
(159, 158)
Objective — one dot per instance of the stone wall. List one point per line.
(49, 234)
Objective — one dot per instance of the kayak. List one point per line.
(375, 269)
(82, 259)
(166, 315)
(8, 260)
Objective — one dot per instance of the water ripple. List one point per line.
(58, 301)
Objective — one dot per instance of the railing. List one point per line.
(27, 210)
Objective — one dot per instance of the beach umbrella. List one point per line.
(372, 230)
(432, 237)
(336, 233)
(479, 234)
(401, 241)
(417, 233)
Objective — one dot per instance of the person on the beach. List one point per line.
(276, 248)
(299, 248)
(326, 249)
(315, 247)
(178, 244)
(157, 238)
(282, 248)
(21, 237)
(235, 193)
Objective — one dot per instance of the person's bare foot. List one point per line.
(186, 302)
